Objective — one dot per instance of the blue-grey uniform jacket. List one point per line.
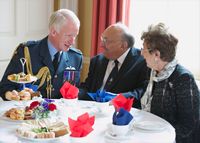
(40, 57)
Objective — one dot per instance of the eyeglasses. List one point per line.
(105, 41)
(148, 49)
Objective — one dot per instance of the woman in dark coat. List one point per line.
(172, 92)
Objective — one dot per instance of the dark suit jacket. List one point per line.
(40, 57)
(131, 80)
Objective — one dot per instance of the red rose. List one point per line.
(52, 107)
(34, 104)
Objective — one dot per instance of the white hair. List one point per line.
(59, 17)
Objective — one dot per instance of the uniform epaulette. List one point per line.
(24, 44)
(76, 50)
(21, 45)
(30, 43)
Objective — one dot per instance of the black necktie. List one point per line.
(55, 60)
(112, 75)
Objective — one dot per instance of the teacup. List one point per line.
(120, 130)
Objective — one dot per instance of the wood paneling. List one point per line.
(84, 38)
(56, 5)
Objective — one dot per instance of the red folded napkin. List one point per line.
(69, 91)
(82, 126)
(122, 102)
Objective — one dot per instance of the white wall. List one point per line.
(183, 19)
(21, 20)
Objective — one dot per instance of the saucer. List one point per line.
(150, 126)
(110, 137)
(76, 139)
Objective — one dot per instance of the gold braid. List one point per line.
(43, 74)
(28, 61)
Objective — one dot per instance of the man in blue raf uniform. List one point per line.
(54, 51)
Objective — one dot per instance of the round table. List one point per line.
(103, 118)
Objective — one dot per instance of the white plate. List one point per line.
(3, 117)
(33, 78)
(43, 139)
(92, 108)
(87, 105)
(149, 125)
(35, 124)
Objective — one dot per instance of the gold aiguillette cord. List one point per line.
(43, 74)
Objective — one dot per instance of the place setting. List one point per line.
(122, 121)
(121, 127)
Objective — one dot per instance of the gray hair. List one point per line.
(59, 17)
(126, 34)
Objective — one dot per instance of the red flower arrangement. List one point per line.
(43, 108)
(52, 107)
(34, 104)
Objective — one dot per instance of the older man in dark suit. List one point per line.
(54, 52)
(131, 74)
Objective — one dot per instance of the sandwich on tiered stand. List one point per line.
(22, 78)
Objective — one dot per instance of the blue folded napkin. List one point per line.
(122, 117)
(31, 86)
(102, 96)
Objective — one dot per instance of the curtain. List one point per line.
(105, 13)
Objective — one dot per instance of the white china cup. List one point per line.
(119, 130)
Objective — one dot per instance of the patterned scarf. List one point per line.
(164, 74)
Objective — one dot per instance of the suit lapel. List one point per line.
(126, 66)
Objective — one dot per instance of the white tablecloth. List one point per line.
(103, 119)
